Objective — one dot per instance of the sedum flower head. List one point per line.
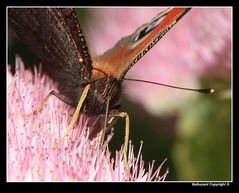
(31, 155)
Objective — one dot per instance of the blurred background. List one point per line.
(191, 130)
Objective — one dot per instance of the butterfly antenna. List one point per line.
(209, 90)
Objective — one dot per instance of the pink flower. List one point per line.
(198, 45)
(30, 140)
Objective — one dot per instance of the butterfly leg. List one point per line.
(112, 118)
(110, 122)
(126, 139)
(75, 115)
(43, 103)
(102, 133)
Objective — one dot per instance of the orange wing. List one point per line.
(130, 49)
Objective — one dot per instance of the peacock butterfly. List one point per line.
(92, 86)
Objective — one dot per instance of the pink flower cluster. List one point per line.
(31, 155)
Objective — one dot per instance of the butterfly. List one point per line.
(92, 86)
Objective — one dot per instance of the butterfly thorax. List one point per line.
(96, 101)
(100, 92)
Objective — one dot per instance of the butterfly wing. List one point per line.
(55, 37)
(130, 49)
